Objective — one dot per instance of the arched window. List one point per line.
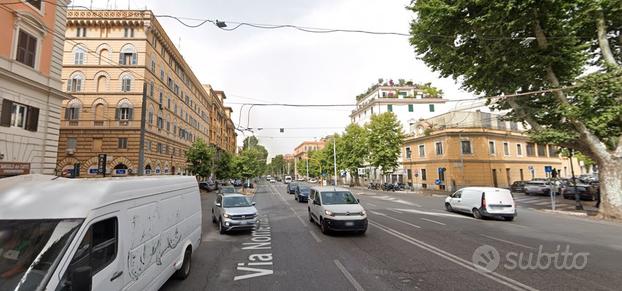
(74, 84)
(128, 55)
(72, 112)
(79, 55)
(101, 83)
(160, 120)
(151, 88)
(99, 111)
(124, 110)
(150, 117)
(126, 83)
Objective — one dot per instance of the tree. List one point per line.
(200, 158)
(384, 139)
(250, 141)
(278, 165)
(353, 149)
(223, 165)
(569, 49)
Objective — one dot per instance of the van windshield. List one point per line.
(31, 249)
(338, 197)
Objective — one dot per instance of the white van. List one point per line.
(336, 209)
(130, 233)
(483, 202)
(288, 179)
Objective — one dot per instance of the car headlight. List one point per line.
(363, 213)
(329, 213)
(226, 215)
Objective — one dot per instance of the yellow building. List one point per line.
(302, 150)
(463, 148)
(135, 98)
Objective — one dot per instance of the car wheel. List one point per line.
(477, 214)
(221, 228)
(448, 207)
(323, 226)
(184, 271)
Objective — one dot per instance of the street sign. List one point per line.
(548, 169)
(101, 164)
(438, 182)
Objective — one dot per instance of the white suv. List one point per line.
(234, 212)
(336, 209)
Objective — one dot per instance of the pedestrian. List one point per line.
(597, 197)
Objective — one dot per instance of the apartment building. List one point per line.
(301, 151)
(461, 148)
(136, 100)
(32, 34)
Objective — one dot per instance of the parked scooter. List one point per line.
(388, 187)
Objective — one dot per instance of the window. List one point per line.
(466, 147)
(128, 32)
(159, 148)
(72, 112)
(98, 247)
(126, 83)
(160, 98)
(81, 32)
(127, 56)
(26, 49)
(74, 84)
(160, 122)
(150, 116)
(519, 150)
(124, 110)
(408, 153)
(531, 149)
(506, 148)
(421, 150)
(19, 115)
(153, 65)
(409, 174)
(168, 103)
(439, 148)
(35, 3)
(78, 56)
(431, 107)
(541, 150)
(424, 175)
(411, 108)
(122, 143)
(161, 74)
(553, 151)
(390, 107)
(151, 88)
(72, 143)
(148, 145)
(491, 147)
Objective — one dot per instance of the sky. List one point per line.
(289, 66)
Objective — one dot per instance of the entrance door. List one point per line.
(494, 178)
(507, 174)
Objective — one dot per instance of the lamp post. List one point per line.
(335, 158)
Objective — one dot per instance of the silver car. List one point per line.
(234, 212)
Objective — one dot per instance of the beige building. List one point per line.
(32, 34)
(136, 98)
(301, 152)
(461, 148)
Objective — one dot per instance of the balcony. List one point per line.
(97, 123)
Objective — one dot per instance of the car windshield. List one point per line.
(31, 249)
(338, 197)
(304, 189)
(228, 190)
(236, 201)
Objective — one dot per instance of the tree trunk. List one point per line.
(610, 175)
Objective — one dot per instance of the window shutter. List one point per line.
(117, 114)
(69, 85)
(33, 119)
(5, 116)
(121, 59)
(129, 113)
(134, 58)
(78, 85)
(67, 113)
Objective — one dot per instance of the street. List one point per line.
(412, 243)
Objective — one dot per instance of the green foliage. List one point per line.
(223, 165)
(250, 162)
(353, 148)
(384, 140)
(200, 157)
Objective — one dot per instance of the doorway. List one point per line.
(494, 178)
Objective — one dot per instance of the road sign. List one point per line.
(101, 164)
(438, 182)
(548, 169)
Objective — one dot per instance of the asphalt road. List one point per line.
(412, 243)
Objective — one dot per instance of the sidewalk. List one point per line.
(427, 192)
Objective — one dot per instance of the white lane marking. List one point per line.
(433, 221)
(349, 276)
(434, 213)
(527, 199)
(372, 204)
(317, 239)
(543, 203)
(396, 211)
(511, 283)
(393, 199)
(508, 242)
(399, 220)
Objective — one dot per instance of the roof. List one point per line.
(329, 188)
(47, 197)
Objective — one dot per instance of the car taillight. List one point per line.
(484, 200)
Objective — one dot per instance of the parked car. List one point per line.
(312, 180)
(336, 209)
(287, 180)
(301, 179)
(234, 212)
(586, 192)
(97, 241)
(302, 193)
(226, 190)
(518, 186)
(538, 187)
(248, 184)
(483, 202)
(237, 183)
(291, 187)
(272, 180)
(208, 186)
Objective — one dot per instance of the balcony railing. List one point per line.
(98, 123)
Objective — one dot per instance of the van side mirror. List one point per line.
(82, 278)
(217, 204)
(254, 203)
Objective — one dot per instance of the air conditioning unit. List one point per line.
(71, 151)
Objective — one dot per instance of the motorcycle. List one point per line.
(388, 187)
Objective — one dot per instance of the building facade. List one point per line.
(31, 49)
(136, 100)
(407, 102)
(301, 152)
(460, 149)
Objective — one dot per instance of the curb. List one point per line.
(581, 214)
